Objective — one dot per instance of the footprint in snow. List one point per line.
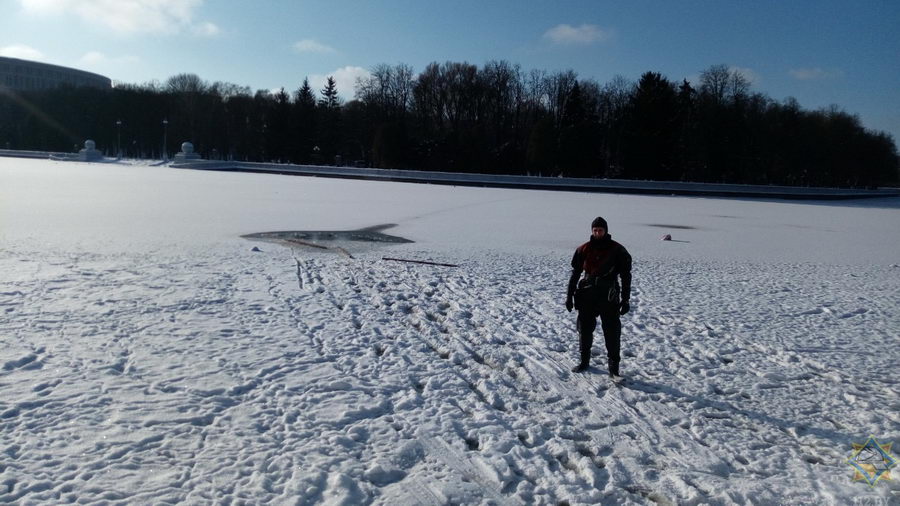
(818, 310)
(857, 312)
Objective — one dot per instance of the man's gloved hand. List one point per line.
(624, 307)
(570, 303)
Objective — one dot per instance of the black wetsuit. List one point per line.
(602, 261)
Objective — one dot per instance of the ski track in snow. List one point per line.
(302, 377)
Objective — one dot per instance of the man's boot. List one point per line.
(586, 340)
(614, 369)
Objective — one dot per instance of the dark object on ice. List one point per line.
(671, 225)
(418, 262)
(256, 249)
(305, 243)
(597, 294)
(667, 237)
(315, 238)
(308, 237)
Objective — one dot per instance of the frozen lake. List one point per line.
(151, 354)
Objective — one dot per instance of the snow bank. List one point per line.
(547, 183)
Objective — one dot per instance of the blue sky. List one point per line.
(820, 52)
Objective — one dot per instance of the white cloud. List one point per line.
(345, 79)
(207, 29)
(128, 16)
(22, 52)
(276, 91)
(312, 46)
(95, 59)
(809, 74)
(583, 35)
(44, 6)
(748, 74)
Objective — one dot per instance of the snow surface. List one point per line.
(150, 355)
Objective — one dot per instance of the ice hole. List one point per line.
(331, 239)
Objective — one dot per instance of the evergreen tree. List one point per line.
(329, 116)
(651, 129)
(280, 126)
(578, 137)
(329, 99)
(305, 97)
(304, 127)
(541, 150)
(686, 149)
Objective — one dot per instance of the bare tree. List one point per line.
(428, 100)
(387, 88)
(714, 82)
(724, 83)
(227, 91)
(738, 85)
(559, 88)
(186, 83)
(503, 92)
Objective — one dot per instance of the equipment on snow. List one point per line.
(418, 262)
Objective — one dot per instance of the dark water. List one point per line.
(314, 237)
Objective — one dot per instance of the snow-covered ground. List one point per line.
(150, 355)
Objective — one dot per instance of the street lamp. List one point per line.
(118, 138)
(165, 131)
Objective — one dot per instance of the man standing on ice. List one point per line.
(602, 261)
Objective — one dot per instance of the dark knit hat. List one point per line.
(599, 222)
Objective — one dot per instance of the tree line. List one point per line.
(458, 117)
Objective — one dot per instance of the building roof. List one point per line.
(31, 75)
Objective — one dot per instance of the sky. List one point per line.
(820, 52)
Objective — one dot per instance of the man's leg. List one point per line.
(587, 322)
(612, 333)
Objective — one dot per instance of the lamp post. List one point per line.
(165, 131)
(118, 138)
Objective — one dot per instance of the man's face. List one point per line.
(598, 232)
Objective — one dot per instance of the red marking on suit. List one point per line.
(598, 258)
